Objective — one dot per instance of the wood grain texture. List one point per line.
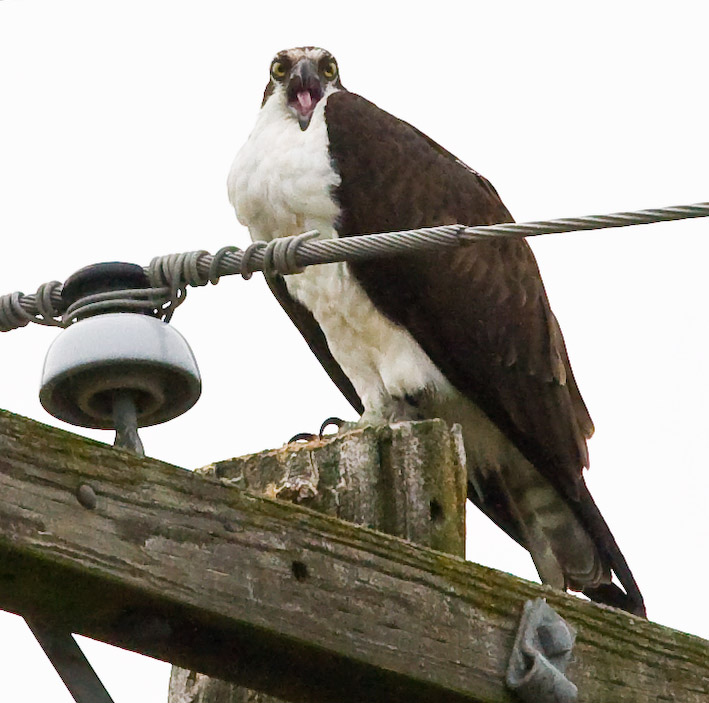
(407, 479)
(181, 567)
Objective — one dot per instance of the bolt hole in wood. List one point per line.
(436, 511)
(300, 570)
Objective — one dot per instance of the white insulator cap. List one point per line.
(95, 357)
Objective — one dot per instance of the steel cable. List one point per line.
(170, 275)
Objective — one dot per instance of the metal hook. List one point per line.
(541, 652)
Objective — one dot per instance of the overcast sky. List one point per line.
(118, 124)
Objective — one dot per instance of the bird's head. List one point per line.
(301, 78)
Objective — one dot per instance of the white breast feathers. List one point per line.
(281, 184)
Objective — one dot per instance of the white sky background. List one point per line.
(118, 124)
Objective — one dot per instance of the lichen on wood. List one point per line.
(406, 479)
(282, 599)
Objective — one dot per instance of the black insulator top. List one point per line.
(101, 278)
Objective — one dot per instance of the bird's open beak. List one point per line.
(304, 91)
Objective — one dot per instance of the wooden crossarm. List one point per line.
(178, 566)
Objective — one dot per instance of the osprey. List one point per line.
(463, 334)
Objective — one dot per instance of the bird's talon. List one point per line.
(338, 422)
(302, 437)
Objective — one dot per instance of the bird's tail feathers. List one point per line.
(628, 598)
(570, 543)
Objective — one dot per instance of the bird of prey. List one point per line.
(464, 334)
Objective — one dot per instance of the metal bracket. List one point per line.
(69, 661)
(541, 652)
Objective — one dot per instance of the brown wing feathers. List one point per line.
(480, 312)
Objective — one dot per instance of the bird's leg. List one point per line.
(394, 409)
(404, 408)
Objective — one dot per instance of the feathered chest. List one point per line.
(281, 183)
(282, 179)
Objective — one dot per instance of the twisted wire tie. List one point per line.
(217, 261)
(170, 275)
(175, 272)
(43, 307)
(130, 300)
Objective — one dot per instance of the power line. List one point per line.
(171, 274)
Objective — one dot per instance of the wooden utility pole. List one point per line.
(282, 599)
(406, 479)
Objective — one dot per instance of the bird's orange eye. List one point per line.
(278, 70)
(330, 71)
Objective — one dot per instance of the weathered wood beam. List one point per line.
(276, 597)
(408, 479)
